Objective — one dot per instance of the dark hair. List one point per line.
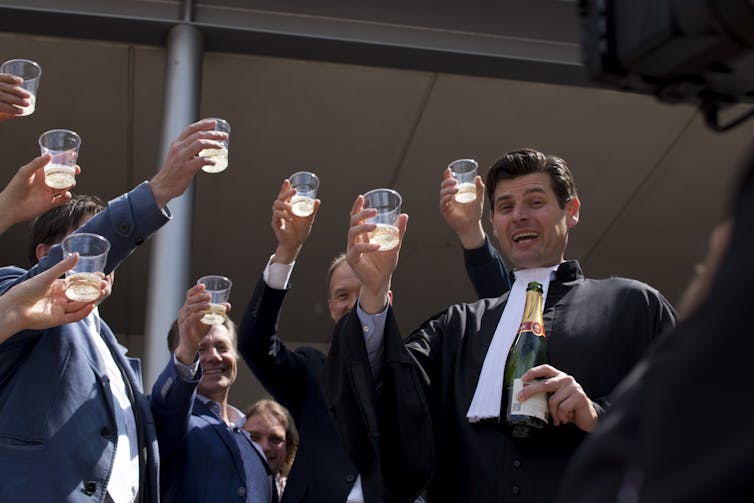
(527, 161)
(286, 421)
(174, 334)
(51, 227)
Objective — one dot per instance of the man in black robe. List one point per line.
(407, 410)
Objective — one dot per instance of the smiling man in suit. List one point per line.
(74, 423)
(205, 453)
(322, 470)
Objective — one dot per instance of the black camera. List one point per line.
(682, 51)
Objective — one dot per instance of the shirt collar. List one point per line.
(568, 270)
(237, 418)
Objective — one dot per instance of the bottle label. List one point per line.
(533, 327)
(535, 406)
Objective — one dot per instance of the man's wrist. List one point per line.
(160, 196)
(373, 303)
(472, 239)
(185, 354)
(284, 255)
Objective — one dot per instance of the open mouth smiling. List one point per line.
(524, 236)
(214, 371)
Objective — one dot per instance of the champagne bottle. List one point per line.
(529, 350)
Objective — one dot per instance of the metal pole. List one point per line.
(171, 246)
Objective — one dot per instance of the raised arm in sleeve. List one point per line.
(126, 223)
(486, 270)
(280, 370)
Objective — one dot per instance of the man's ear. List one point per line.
(42, 250)
(390, 297)
(572, 212)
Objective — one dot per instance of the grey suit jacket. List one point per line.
(57, 424)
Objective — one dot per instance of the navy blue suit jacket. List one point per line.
(201, 461)
(322, 471)
(57, 424)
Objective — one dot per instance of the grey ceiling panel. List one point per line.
(348, 124)
(663, 231)
(484, 118)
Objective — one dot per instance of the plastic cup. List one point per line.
(387, 202)
(63, 145)
(31, 72)
(220, 156)
(82, 282)
(219, 289)
(464, 170)
(306, 185)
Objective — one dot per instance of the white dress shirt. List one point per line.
(123, 485)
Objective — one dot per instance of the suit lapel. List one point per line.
(118, 352)
(98, 366)
(217, 425)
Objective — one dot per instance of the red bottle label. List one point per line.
(532, 326)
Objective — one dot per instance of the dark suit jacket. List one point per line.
(322, 471)
(412, 430)
(201, 461)
(486, 270)
(682, 429)
(57, 424)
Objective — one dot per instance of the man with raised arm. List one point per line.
(40, 302)
(198, 430)
(425, 412)
(484, 266)
(74, 423)
(321, 471)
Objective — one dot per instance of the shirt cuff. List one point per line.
(277, 275)
(186, 372)
(373, 330)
